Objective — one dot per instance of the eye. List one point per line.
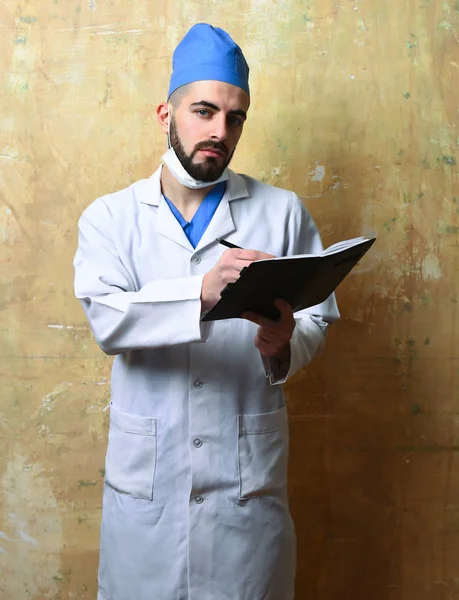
(203, 112)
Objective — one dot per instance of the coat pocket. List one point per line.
(131, 455)
(263, 454)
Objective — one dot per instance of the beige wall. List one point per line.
(355, 107)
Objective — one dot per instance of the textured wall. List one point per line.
(355, 108)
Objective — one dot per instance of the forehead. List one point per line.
(224, 95)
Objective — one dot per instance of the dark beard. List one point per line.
(209, 170)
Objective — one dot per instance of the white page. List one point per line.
(334, 249)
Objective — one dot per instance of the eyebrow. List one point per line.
(237, 112)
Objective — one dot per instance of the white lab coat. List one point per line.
(195, 504)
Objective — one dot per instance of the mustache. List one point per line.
(219, 146)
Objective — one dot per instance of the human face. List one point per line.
(206, 127)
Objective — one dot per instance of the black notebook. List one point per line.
(303, 281)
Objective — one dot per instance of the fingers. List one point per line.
(278, 338)
(248, 255)
(267, 348)
(285, 322)
(264, 348)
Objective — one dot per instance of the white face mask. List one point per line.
(178, 171)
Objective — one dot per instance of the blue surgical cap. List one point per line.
(208, 53)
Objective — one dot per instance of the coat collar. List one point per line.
(148, 191)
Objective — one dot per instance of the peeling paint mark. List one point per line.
(28, 20)
(36, 517)
(25, 537)
(431, 267)
(4, 536)
(407, 96)
(3, 551)
(445, 25)
(50, 399)
(21, 40)
(416, 409)
(318, 174)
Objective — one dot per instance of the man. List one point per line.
(195, 501)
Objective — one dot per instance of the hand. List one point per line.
(227, 270)
(273, 337)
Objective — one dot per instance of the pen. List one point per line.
(227, 244)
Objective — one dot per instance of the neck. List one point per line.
(184, 199)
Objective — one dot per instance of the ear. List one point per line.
(162, 114)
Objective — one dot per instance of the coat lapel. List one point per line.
(167, 225)
(222, 223)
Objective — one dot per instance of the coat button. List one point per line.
(199, 499)
(198, 384)
(197, 443)
(197, 260)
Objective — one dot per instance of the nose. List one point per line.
(220, 128)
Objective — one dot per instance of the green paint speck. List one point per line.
(424, 162)
(445, 25)
(28, 20)
(102, 472)
(21, 39)
(407, 96)
(416, 409)
(83, 483)
(389, 224)
(427, 342)
(411, 342)
(449, 229)
(447, 160)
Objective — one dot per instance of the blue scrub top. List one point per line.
(194, 230)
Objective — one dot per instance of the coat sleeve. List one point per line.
(162, 313)
(309, 335)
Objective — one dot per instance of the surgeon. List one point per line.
(195, 502)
